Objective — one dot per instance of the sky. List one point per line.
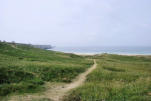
(76, 22)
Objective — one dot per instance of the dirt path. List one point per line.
(56, 91)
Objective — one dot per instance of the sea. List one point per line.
(109, 50)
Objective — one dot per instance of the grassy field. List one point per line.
(117, 78)
(25, 69)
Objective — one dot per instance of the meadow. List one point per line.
(24, 69)
(117, 78)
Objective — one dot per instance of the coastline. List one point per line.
(126, 54)
(128, 51)
(85, 53)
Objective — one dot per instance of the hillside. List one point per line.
(117, 78)
(25, 69)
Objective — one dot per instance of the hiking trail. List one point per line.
(56, 91)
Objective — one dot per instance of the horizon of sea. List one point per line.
(109, 50)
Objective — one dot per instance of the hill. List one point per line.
(24, 68)
(117, 78)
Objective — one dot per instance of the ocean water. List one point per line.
(110, 50)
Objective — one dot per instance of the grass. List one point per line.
(117, 78)
(24, 69)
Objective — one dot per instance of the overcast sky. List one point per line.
(76, 22)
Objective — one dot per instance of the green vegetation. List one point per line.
(25, 69)
(117, 78)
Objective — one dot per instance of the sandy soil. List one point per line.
(85, 54)
(56, 91)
